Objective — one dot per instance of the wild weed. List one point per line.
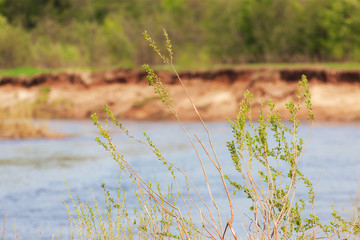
(265, 152)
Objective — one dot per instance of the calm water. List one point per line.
(33, 172)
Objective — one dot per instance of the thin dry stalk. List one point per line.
(174, 166)
(150, 217)
(198, 155)
(168, 102)
(229, 223)
(154, 195)
(144, 186)
(16, 235)
(217, 164)
(3, 232)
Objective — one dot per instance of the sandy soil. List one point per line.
(335, 94)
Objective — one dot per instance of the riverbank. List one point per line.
(75, 95)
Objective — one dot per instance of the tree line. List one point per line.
(96, 33)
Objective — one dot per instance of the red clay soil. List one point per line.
(335, 93)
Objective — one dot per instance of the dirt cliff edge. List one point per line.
(335, 93)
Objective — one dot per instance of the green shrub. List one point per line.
(15, 48)
(269, 175)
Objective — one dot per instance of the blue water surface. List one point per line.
(33, 172)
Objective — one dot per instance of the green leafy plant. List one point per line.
(265, 152)
(269, 184)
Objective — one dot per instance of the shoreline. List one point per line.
(75, 95)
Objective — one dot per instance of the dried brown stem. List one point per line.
(3, 232)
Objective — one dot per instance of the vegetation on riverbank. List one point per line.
(28, 119)
(55, 34)
(18, 123)
(32, 71)
(269, 176)
(23, 71)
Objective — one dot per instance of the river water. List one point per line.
(33, 172)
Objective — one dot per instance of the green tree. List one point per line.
(15, 46)
(28, 13)
(340, 21)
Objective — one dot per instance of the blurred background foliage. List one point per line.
(98, 33)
